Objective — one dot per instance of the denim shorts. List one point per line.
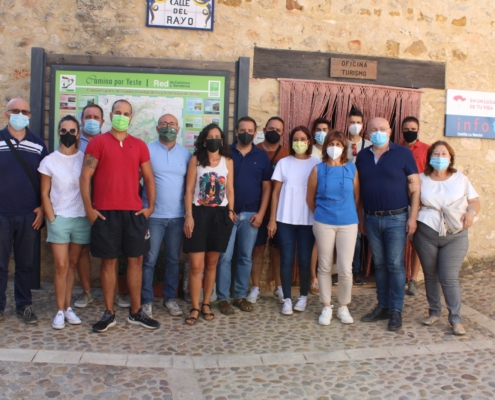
(69, 230)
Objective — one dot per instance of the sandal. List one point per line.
(431, 320)
(192, 319)
(207, 315)
(226, 307)
(314, 287)
(243, 304)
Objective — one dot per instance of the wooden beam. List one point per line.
(294, 64)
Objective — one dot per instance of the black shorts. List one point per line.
(263, 236)
(211, 232)
(120, 231)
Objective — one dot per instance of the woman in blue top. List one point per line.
(333, 196)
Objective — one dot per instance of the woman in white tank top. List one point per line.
(209, 217)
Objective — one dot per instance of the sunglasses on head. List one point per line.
(64, 131)
(17, 111)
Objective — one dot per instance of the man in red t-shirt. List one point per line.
(110, 191)
(410, 132)
(273, 130)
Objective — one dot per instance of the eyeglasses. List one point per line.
(64, 131)
(354, 149)
(164, 124)
(17, 111)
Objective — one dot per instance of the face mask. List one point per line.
(379, 138)
(68, 140)
(334, 152)
(355, 129)
(120, 122)
(168, 134)
(410, 136)
(18, 121)
(439, 163)
(245, 138)
(91, 127)
(272, 137)
(300, 147)
(320, 137)
(213, 145)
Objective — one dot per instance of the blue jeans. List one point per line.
(26, 240)
(169, 231)
(246, 237)
(291, 237)
(356, 262)
(387, 238)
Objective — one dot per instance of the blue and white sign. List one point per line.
(470, 114)
(182, 14)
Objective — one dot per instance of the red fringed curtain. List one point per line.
(302, 101)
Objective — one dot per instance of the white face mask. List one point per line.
(355, 129)
(334, 152)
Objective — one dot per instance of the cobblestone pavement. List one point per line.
(260, 355)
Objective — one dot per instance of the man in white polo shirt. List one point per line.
(169, 160)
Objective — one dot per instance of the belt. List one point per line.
(389, 212)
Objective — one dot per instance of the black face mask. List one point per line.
(68, 140)
(245, 138)
(272, 137)
(213, 145)
(410, 136)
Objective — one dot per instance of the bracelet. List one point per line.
(474, 212)
(231, 211)
(188, 213)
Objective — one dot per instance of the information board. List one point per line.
(470, 114)
(195, 98)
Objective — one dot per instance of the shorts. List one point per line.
(68, 230)
(263, 236)
(120, 231)
(211, 232)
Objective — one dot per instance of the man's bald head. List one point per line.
(18, 106)
(167, 118)
(17, 103)
(378, 124)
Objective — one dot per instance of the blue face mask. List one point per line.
(91, 126)
(439, 163)
(320, 137)
(18, 121)
(379, 138)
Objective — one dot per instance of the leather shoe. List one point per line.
(395, 322)
(376, 315)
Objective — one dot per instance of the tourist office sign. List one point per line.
(195, 98)
(470, 114)
(353, 69)
(181, 14)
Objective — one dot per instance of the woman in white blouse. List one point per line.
(440, 251)
(291, 216)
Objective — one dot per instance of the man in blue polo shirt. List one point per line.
(21, 213)
(169, 160)
(252, 189)
(385, 169)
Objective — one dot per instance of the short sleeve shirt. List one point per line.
(384, 184)
(419, 150)
(116, 177)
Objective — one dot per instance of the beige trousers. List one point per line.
(343, 238)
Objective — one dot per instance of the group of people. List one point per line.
(314, 198)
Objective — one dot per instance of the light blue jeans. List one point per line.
(387, 238)
(169, 231)
(246, 237)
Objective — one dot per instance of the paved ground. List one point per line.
(262, 355)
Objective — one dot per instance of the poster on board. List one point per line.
(181, 14)
(195, 98)
(470, 114)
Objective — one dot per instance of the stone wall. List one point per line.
(456, 32)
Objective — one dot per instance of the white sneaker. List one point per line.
(301, 303)
(59, 320)
(287, 307)
(71, 317)
(254, 295)
(148, 309)
(83, 300)
(325, 316)
(120, 301)
(173, 308)
(344, 316)
(279, 294)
